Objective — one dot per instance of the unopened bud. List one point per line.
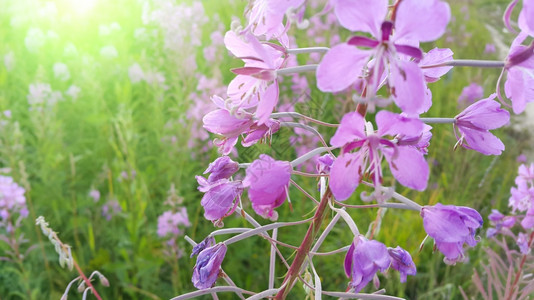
(81, 287)
(103, 280)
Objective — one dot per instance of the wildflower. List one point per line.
(208, 266)
(170, 223)
(267, 181)
(111, 209)
(473, 124)
(451, 226)
(109, 52)
(406, 162)
(61, 71)
(135, 73)
(434, 57)
(402, 261)
(522, 242)
(222, 168)
(95, 194)
(207, 242)
(220, 199)
(73, 92)
(519, 84)
(12, 204)
(344, 64)
(363, 260)
(471, 93)
(490, 48)
(255, 84)
(499, 221)
(265, 17)
(528, 221)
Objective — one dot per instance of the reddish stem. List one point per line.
(86, 280)
(305, 246)
(521, 265)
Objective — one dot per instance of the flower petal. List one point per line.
(361, 15)
(351, 128)
(345, 175)
(422, 20)
(341, 66)
(409, 167)
(409, 89)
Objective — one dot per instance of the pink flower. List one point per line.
(519, 85)
(363, 260)
(255, 84)
(473, 124)
(220, 199)
(222, 168)
(471, 93)
(526, 21)
(265, 16)
(402, 261)
(406, 162)
(451, 226)
(267, 181)
(208, 266)
(172, 223)
(434, 57)
(393, 44)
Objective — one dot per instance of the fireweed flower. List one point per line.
(222, 168)
(265, 17)
(522, 242)
(406, 161)
(363, 260)
(394, 42)
(207, 242)
(500, 221)
(231, 126)
(208, 266)
(471, 93)
(12, 204)
(220, 199)
(451, 226)
(267, 181)
(256, 84)
(173, 222)
(519, 84)
(402, 261)
(472, 126)
(434, 57)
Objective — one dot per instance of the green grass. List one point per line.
(59, 154)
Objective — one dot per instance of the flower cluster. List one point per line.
(12, 204)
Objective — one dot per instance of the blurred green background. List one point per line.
(125, 120)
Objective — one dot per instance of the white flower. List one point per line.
(61, 71)
(35, 39)
(109, 52)
(73, 92)
(135, 73)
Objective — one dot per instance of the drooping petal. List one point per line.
(482, 141)
(409, 167)
(351, 128)
(361, 15)
(221, 122)
(345, 175)
(519, 87)
(443, 224)
(409, 89)
(485, 114)
(421, 20)
(340, 67)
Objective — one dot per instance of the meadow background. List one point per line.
(100, 121)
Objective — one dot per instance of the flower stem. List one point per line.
(304, 249)
(297, 69)
(308, 50)
(468, 63)
(438, 120)
(521, 265)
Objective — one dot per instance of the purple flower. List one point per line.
(473, 124)
(170, 223)
(451, 226)
(392, 43)
(499, 220)
(406, 162)
(255, 84)
(220, 199)
(528, 221)
(522, 196)
(434, 57)
(324, 164)
(363, 260)
(207, 242)
(522, 242)
(490, 48)
(265, 16)
(402, 261)
(519, 85)
(222, 168)
(471, 93)
(267, 181)
(208, 266)
(95, 194)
